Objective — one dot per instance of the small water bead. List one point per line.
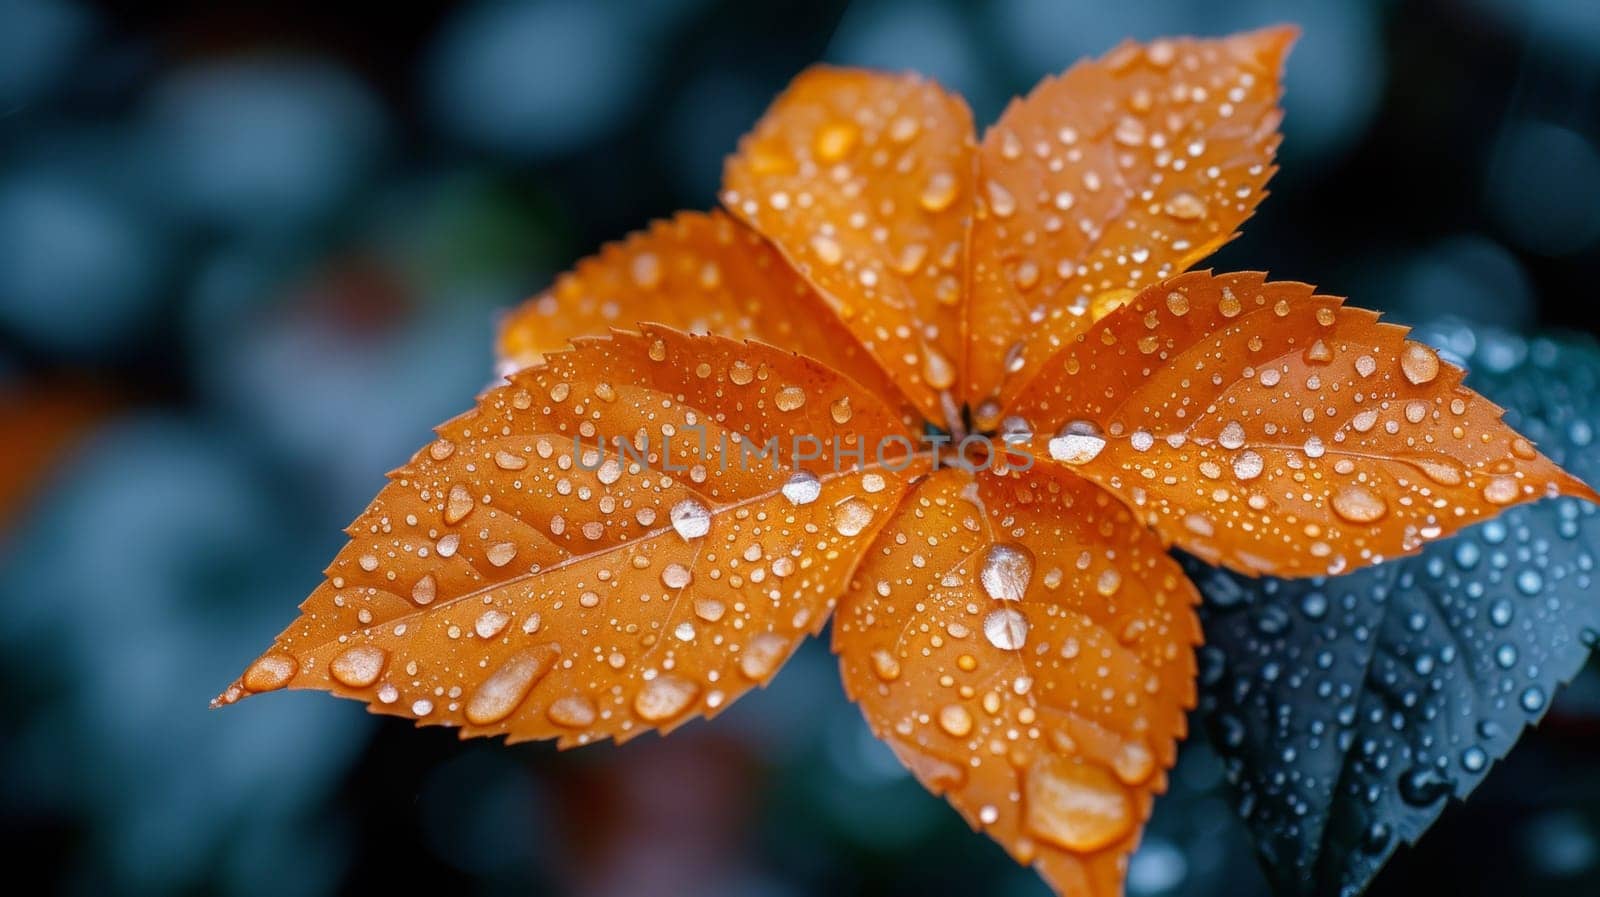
(741, 373)
(1366, 365)
(789, 398)
(490, 623)
(664, 697)
(937, 370)
(803, 488)
(834, 140)
(1185, 206)
(360, 666)
(458, 505)
(1358, 504)
(1232, 435)
(1533, 699)
(572, 712)
(1248, 465)
(1501, 491)
(1075, 805)
(270, 672)
(676, 576)
(840, 410)
(500, 694)
(1007, 570)
(441, 449)
(425, 590)
(850, 518)
(1142, 441)
(421, 707)
(884, 665)
(1006, 629)
(1001, 202)
(500, 553)
(509, 460)
(763, 655)
(827, 249)
(1419, 363)
(940, 191)
(690, 519)
(1076, 448)
(1474, 759)
(955, 720)
(388, 694)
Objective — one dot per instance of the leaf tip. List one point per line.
(1270, 45)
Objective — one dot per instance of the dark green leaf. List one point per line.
(1348, 710)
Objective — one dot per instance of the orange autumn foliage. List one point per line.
(1018, 634)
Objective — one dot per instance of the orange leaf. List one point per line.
(1118, 174)
(864, 181)
(703, 272)
(1026, 648)
(512, 579)
(1262, 427)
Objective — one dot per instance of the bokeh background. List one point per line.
(250, 252)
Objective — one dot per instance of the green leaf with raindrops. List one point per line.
(1349, 710)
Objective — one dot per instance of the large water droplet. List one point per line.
(690, 519)
(1006, 629)
(664, 697)
(803, 488)
(360, 666)
(1074, 805)
(505, 689)
(1007, 570)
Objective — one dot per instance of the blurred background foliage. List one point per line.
(250, 252)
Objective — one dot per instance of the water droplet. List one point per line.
(1185, 206)
(1001, 202)
(572, 712)
(1232, 435)
(955, 720)
(1006, 629)
(1074, 805)
(835, 140)
(425, 590)
(850, 518)
(937, 370)
(508, 686)
(884, 665)
(940, 191)
(1358, 504)
(1247, 466)
(690, 519)
(1076, 448)
(1501, 491)
(789, 398)
(271, 672)
(763, 655)
(458, 505)
(1133, 763)
(1419, 363)
(1423, 785)
(360, 666)
(827, 249)
(1533, 699)
(664, 697)
(1007, 571)
(676, 576)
